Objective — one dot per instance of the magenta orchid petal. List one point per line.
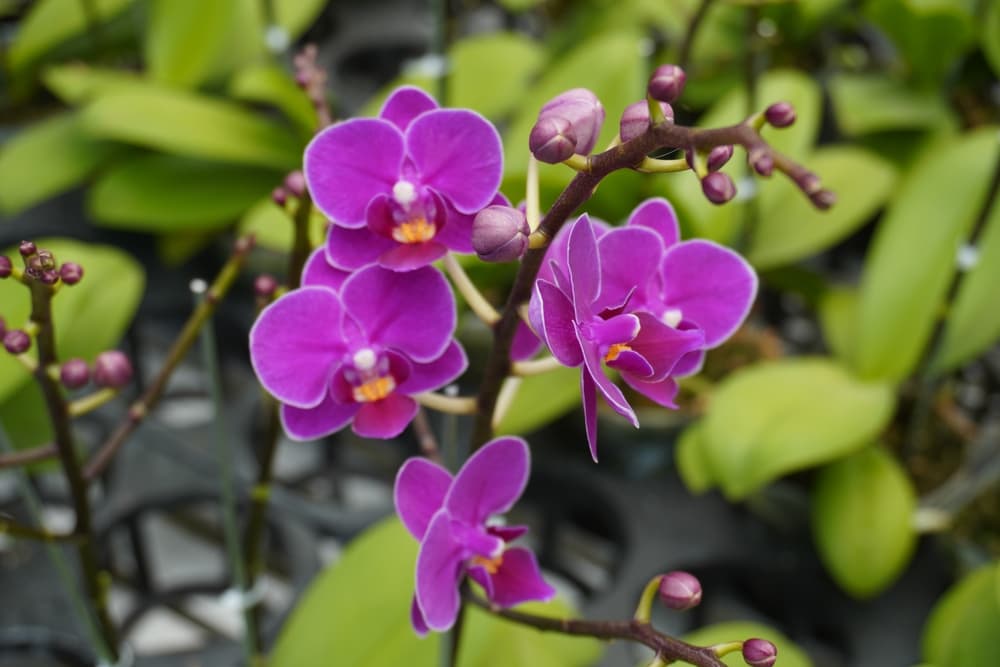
(456, 233)
(294, 343)
(404, 104)
(630, 265)
(490, 481)
(663, 346)
(350, 249)
(555, 313)
(481, 576)
(631, 362)
(385, 418)
(419, 493)
(347, 164)
(417, 619)
(525, 343)
(616, 330)
(588, 392)
(437, 373)
(319, 271)
(662, 392)
(439, 571)
(458, 153)
(712, 286)
(412, 255)
(519, 579)
(658, 215)
(475, 538)
(689, 364)
(584, 267)
(507, 533)
(611, 393)
(317, 422)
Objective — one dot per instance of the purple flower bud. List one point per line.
(759, 653)
(552, 140)
(71, 273)
(3, 328)
(302, 79)
(780, 114)
(718, 187)
(635, 119)
(584, 112)
(264, 286)
(667, 83)
(761, 161)
(112, 369)
(46, 260)
(680, 590)
(295, 183)
(718, 157)
(16, 341)
(74, 373)
(27, 249)
(279, 196)
(500, 234)
(50, 277)
(823, 199)
(5, 266)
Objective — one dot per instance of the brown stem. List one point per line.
(26, 456)
(425, 437)
(301, 247)
(15, 529)
(684, 52)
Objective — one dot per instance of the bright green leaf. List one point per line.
(913, 24)
(273, 227)
(775, 418)
(912, 258)
(51, 22)
(962, 629)
(838, 310)
(690, 457)
(789, 654)
(25, 419)
(182, 42)
(490, 72)
(862, 518)
(296, 16)
(76, 83)
(540, 399)
(270, 84)
(991, 35)
(873, 103)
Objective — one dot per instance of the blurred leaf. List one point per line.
(273, 227)
(912, 257)
(47, 158)
(182, 42)
(170, 193)
(875, 103)
(25, 419)
(489, 72)
(962, 629)
(358, 610)
(519, 5)
(991, 35)
(774, 418)
(197, 126)
(838, 312)
(270, 84)
(862, 521)
(690, 457)
(791, 228)
(789, 654)
(913, 24)
(175, 248)
(76, 83)
(296, 16)
(51, 22)
(541, 399)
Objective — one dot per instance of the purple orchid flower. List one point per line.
(358, 354)
(449, 516)
(402, 189)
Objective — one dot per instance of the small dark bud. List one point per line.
(823, 199)
(667, 83)
(500, 234)
(809, 182)
(718, 187)
(245, 244)
(49, 277)
(780, 114)
(680, 590)
(16, 341)
(27, 249)
(279, 196)
(46, 260)
(71, 273)
(74, 373)
(552, 140)
(6, 268)
(112, 369)
(635, 119)
(584, 112)
(3, 328)
(264, 286)
(761, 162)
(759, 653)
(295, 183)
(718, 157)
(302, 79)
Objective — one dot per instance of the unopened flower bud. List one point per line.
(584, 112)
(552, 140)
(74, 373)
(718, 157)
(759, 653)
(780, 114)
(112, 369)
(49, 277)
(635, 119)
(667, 83)
(823, 199)
(264, 286)
(6, 268)
(71, 273)
(295, 183)
(500, 234)
(27, 249)
(718, 187)
(761, 161)
(279, 196)
(3, 328)
(16, 341)
(680, 590)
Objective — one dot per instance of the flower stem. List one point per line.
(684, 52)
(82, 406)
(477, 302)
(455, 405)
(28, 456)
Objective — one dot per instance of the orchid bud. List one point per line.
(718, 157)
(3, 328)
(74, 373)
(49, 277)
(680, 590)
(16, 341)
(552, 140)
(112, 369)
(500, 234)
(718, 187)
(761, 161)
(759, 653)
(27, 249)
(71, 273)
(295, 183)
(823, 199)
(264, 286)
(780, 114)
(584, 112)
(6, 268)
(635, 119)
(279, 196)
(667, 83)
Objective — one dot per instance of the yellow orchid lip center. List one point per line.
(418, 230)
(615, 350)
(375, 389)
(491, 565)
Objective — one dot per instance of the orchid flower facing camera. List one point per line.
(449, 516)
(358, 354)
(402, 189)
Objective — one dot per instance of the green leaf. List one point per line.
(296, 16)
(179, 122)
(862, 518)
(912, 258)
(913, 24)
(873, 103)
(76, 83)
(691, 462)
(182, 44)
(51, 22)
(270, 84)
(47, 158)
(358, 611)
(490, 72)
(170, 193)
(789, 654)
(541, 399)
(991, 36)
(791, 228)
(838, 311)
(25, 419)
(273, 226)
(962, 629)
(775, 418)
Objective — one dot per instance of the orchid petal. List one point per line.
(629, 361)
(525, 343)
(618, 329)
(435, 374)
(689, 364)
(439, 571)
(417, 619)
(410, 256)
(319, 271)
(658, 215)
(584, 265)
(479, 575)
(405, 104)
(662, 392)
(317, 422)
(490, 481)
(612, 394)
(385, 418)
(507, 533)
(519, 579)
(588, 392)
(419, 493)
(663, 346)
(630, 262)
(350, 249)
(556, 314)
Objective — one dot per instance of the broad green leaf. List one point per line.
(182, 42)
(51, 22)
(873, 103)
(912, 258)
(838, 310)
(179, 122)
(170, 193)
(47, 158)
(358, 612)
(962, 629)
(690, 458)
(273, 227)
(25, 419)
(490, 72)
(791, 228)
(76, 83)
(974, 321)
(270, 84)
(541, 399)
(991, 35)
(789, 654)
(862, 519)
(913, 24)
(775, 418)
(296, 16)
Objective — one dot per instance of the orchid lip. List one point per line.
(419, 230)
(491, 565)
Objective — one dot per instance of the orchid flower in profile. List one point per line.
(402, 189)
(450, 517)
